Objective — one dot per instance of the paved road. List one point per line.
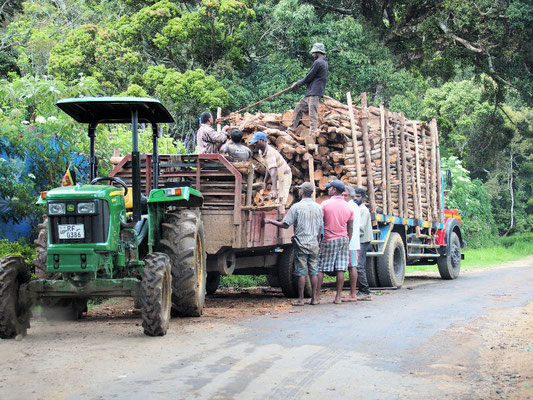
(428, 340)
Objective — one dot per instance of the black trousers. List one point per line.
(362, 282)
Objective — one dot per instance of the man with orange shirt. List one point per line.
(333, 255)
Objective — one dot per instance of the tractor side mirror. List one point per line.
(449, 179)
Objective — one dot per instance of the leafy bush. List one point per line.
(517, 240)
(473, 202)
(243, 281)
(18, 248)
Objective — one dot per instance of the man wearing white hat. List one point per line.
(316, 87)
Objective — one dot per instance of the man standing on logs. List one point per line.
(365, 237)
(276, 167)
(316, 87)
(338, 227)
(306, 216)
(208, 140)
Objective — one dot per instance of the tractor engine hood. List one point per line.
(83, 192)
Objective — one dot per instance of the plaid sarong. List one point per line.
(333, 255)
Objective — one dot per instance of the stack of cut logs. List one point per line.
(396, 160)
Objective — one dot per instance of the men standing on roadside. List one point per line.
(338, 226)
(316, 88)
(365, 238)
(306, 216)
(276, 167)
(354, 245)
(235, 148)
(208, 140)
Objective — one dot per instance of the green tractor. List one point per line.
(107, 239)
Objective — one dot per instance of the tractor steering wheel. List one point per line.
(113, 179)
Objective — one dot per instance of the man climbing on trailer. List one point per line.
(316, 88)
(276, 167)
(208, 140)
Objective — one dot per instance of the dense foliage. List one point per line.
(466, 63)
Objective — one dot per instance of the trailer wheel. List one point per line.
(391, 265)
(450, 265)
(183, 241)
(14, 315)
(287, 279)
(156, 287)
(371, 272)
(212, 282)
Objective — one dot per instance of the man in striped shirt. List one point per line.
(276, 167)
(306, 216)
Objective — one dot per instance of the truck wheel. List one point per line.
(183, 241)
(14, 315)
(371, 272)
(391, 265)
(212, 282)
(450, 265)
(156, 287)
(287, 280)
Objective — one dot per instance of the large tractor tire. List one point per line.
(371, 272)
(41, 249)
(183, 241)
(212, 282)
(287, 280)
(391, 265)
(450, 265)
(14, 315)
(156, 288)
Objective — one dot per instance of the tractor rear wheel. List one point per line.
(287, 280)
(183, 241)
(14, 315)
(41, 249)
(156, 289)
(391, 265)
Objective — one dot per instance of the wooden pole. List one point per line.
(426, 175)
(383, 174)
(368, 159)
(354, 140)
(433, 171)
(404, 171)
(398, 169)
(440, 206)
(417, 189)
(387, 175)
(219, 115)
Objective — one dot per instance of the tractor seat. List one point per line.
(128, 200)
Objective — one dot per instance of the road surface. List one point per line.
(471, 338)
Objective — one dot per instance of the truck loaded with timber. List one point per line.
(395, 159)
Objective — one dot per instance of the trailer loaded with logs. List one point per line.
(395, 159)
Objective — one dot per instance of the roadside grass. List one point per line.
(242, 281)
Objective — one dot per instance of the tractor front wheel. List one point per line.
(156, 289)
(14, 315)
(183, 241)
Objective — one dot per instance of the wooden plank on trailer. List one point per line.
(354, 140)
(368, 158)
(384, 176)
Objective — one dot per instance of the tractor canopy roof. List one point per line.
(101, 110)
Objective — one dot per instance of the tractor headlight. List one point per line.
(87, 208)
(56, 208)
